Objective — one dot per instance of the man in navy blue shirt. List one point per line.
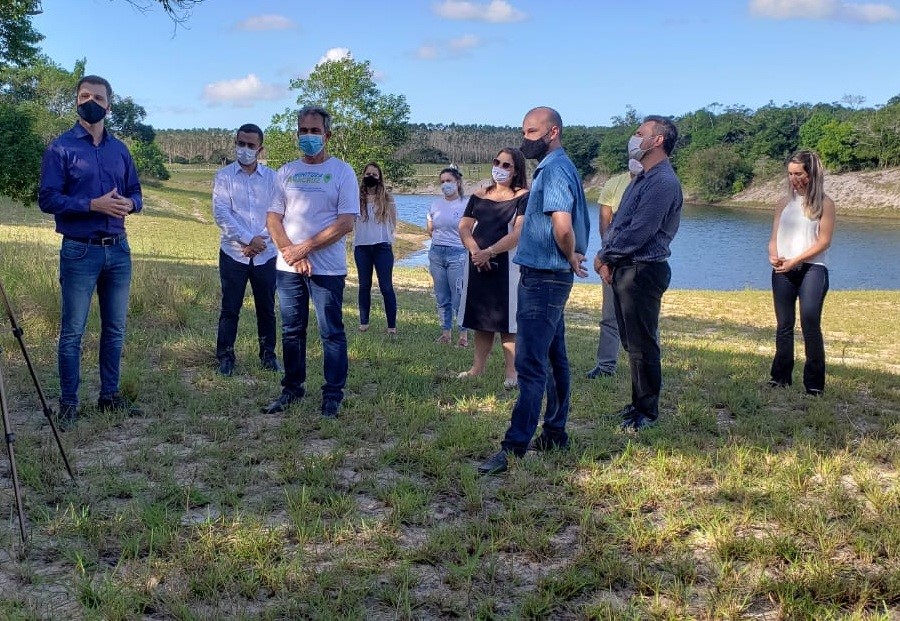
(90, 185)
(551, 251)
(634, 261)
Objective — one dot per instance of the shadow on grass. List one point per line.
(380, 513)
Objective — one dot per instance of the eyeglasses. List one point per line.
(503, 165)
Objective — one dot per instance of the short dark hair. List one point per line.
(306, 111)
(97, 80)
(664, 127)
(250, 128)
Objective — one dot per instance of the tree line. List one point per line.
(721, 149)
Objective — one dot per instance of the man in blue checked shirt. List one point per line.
(551, 251)
(242, 193)
(90, 185)
(634, 261)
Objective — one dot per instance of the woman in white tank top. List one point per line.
(798, 249)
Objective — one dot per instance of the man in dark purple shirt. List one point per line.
(90, 184)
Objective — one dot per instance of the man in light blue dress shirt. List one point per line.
(551, 252)
(242, 193)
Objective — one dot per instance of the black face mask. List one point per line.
(534, 149)
(370, 182)
(91, 112)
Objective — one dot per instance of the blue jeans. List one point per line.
(608, 346)
(639, 288)
(381, 258)
(327, 295)
(541, 360)
(83, 268)
(447, 265)
(809, 283)
(234, 276)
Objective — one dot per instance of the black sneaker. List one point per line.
(330, 408)
(118, 403)
(599, 372)
(638, 422)
(67, 417)
(544, 443)
(271, 364)
(284, 400)
(226, 367)
(495, 464)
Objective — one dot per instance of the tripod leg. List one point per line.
(10, 450)
(48, 412)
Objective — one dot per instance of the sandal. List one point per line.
(463, 341)
(363, 327)
(510, 382)
(442, 339)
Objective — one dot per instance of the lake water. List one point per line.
(725, 249)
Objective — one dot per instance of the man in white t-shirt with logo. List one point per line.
(316, 202)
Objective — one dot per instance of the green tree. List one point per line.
(367, 125)
(20, 158)
(149, 160)
(715, 172)
(582, 144)
(18, 38)
(837, 146)
(126, 120)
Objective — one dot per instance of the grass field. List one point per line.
(743, 503)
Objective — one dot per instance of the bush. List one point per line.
(20, 159)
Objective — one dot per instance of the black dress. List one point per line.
(489, 296)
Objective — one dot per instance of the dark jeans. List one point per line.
(327, 295)
(541, 360)
(82, 269)
(809, 283)
(234, 276)
(639, 288)
(381, 258)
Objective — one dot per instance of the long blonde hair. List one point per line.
(385, 207)
(815, 191)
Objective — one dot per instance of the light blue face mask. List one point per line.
(311, 144)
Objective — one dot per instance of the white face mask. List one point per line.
(500, 175)
(245, 155)
(449, 188)
(635, 151)
(635, 167)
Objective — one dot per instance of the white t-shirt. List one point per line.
(311, 197)
(444, 216)
(370, 232)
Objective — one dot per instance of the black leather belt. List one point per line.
(112, 240)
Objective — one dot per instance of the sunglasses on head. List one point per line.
(503, 165)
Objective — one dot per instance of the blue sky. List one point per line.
(484, 61)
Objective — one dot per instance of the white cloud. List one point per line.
(335, 53)
(453, 48)
(496, 11)
(465, 42)
(242, 92)
(867, 13)
(427, 52)
(258, 23)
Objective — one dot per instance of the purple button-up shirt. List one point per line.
(74, 171)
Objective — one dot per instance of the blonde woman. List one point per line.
(801, 235)
(373, 240)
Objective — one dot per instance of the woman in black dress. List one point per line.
(489, 230)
